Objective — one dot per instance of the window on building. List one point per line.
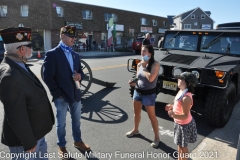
(203, 16)
(144, 21)
(3, 11)
(187, 26)
(154, 22)
(193, 16)
(59, 11)
(165, 23)
(24, 10)
(86, 14)
(107, 16)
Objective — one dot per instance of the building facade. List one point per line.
(46, 17)
(193, 19)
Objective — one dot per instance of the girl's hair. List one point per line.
(151, 60)
(189, 87)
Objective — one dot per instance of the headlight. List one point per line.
(161, 70)
(176, 71)
(196, 74)
(220, 74)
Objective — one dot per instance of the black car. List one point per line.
(213, 56)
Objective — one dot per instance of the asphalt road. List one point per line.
(107, 114)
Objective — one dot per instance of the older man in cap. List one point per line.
(28, 114)
(62, 73)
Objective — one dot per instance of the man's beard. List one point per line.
(28, 56)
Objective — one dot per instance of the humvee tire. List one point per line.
(219, 105)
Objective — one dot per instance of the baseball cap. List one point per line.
(188, 76)
(69, 31)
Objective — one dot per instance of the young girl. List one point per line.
(185, 130)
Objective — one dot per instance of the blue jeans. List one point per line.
(41, 150)
(147, 100)
(75, 112)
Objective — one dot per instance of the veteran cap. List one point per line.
(188, 76)
(15, 35)
(69, 31)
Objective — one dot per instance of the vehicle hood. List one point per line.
(190, 59)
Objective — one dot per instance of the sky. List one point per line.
(222, 11)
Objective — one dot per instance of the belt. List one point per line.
(146, 92)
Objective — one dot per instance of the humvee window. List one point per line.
(223, 44)
(181, 41)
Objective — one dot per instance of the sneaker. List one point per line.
(63, 154)
(130, 134)
(82, 146)
(155, 143)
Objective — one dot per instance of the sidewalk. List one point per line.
(221, 143)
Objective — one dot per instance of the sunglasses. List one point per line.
(27, 45)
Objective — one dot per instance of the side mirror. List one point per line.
(134, 65)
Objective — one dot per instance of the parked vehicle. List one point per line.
(227, 26)
(213, 56)
(158, 41)
(137, 44)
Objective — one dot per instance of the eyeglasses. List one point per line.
(27, 45)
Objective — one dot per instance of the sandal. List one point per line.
(155, 143)
(131, 134)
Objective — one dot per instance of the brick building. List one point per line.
(45, 17)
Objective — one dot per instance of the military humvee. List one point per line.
(213, 56)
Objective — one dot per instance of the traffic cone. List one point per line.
(39, 54)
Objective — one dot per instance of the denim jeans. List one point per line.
(147, 100)
(20, 154)
(75, 112)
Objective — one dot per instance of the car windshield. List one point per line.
(202, 41)
(181, 41)
(223, 44)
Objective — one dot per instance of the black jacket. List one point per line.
(28, 114)
(146, 41)
(58, 75)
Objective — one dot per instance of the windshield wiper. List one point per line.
(214, 41)
(173, 37)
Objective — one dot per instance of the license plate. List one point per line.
(170, 85)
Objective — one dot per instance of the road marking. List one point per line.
(108, 67)
(165, 132)
(101, 68)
